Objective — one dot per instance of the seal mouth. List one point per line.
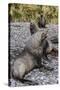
(53, 52)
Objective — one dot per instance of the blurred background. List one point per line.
(27, 12)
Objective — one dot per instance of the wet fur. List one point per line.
(42, 22)
(33, 27)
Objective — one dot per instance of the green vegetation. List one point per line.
(26, 12)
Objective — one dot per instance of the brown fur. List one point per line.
(33, 27)
(42, 21)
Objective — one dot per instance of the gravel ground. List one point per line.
(19, 34)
